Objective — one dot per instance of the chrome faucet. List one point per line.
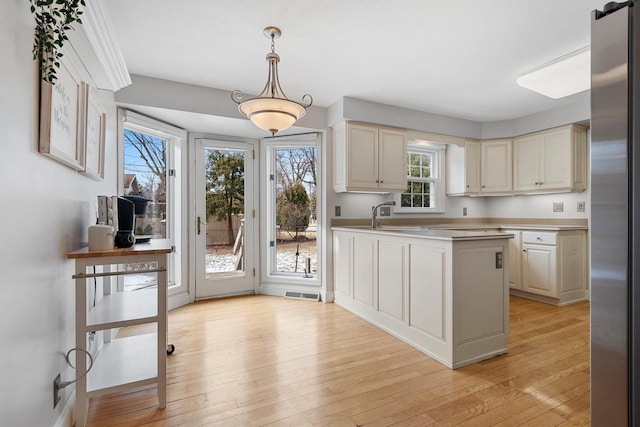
(374, 212)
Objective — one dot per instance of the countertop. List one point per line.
(430, 233)
(506, 226)
(155, 246)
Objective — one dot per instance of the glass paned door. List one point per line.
(294, 204)
(224, 218)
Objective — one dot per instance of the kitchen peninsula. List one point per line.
(445, 292)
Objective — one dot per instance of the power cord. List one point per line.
(64, 384)
(95, 286)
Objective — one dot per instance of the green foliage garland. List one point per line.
(53, 19)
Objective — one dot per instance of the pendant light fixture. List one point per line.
(272, 110)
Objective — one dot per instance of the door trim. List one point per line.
(193, 147)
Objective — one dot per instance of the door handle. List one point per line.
(198, 223)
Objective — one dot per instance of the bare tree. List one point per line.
(152, 151)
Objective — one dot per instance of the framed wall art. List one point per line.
(94, 135)
(61, 118)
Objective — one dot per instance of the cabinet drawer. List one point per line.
(540, 238)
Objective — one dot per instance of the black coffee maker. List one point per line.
(125, 235)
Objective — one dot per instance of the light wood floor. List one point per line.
(259, 360)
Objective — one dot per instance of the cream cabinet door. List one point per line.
(539, 273)
(556, 170)
(463, 168)
(362, 157)
(495, 168)
(526, 163)
(392, 160)
(472, 166)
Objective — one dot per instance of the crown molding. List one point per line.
(97, 27)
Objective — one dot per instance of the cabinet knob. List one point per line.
(539, 238)
(381, 182)
(483, 186)
(541, 182)
(377, 181)
(524, 250)
(537, 183)
(467, 185)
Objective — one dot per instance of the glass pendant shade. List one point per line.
(272, 110)
(272, 114)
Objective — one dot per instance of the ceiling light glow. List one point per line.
(561, 77)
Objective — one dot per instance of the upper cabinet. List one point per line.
(551, 161)
(369, 158)
(495, 166)
(463, 169)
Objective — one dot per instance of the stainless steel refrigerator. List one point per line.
(615, 215)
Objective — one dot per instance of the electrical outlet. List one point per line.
(558, 206)
(56, 391)
(385, 210)
(498, 259)
(581, 206)
(464, 211)
(338, 211)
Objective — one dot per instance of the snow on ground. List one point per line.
(286, 262)
(217, 263)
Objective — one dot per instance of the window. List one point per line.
(151, 166)
(425, 183)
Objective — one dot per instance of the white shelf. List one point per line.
(124, 309)
(123, 363)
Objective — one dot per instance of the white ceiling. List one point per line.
(457, 58)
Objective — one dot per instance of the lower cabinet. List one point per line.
(448, 298)
(515, 263)
(539, 270)
(553, 266)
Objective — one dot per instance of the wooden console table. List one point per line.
(129, 362)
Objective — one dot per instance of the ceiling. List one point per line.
(455, 58)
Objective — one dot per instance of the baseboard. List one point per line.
(327, 296)
(66, 418)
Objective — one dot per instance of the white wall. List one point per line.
(358, 205)
(45, 210)
(539, 206)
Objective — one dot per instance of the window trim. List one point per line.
(268, 255)
(176, 138)
(438, 150)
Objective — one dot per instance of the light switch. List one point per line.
(580, 206)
